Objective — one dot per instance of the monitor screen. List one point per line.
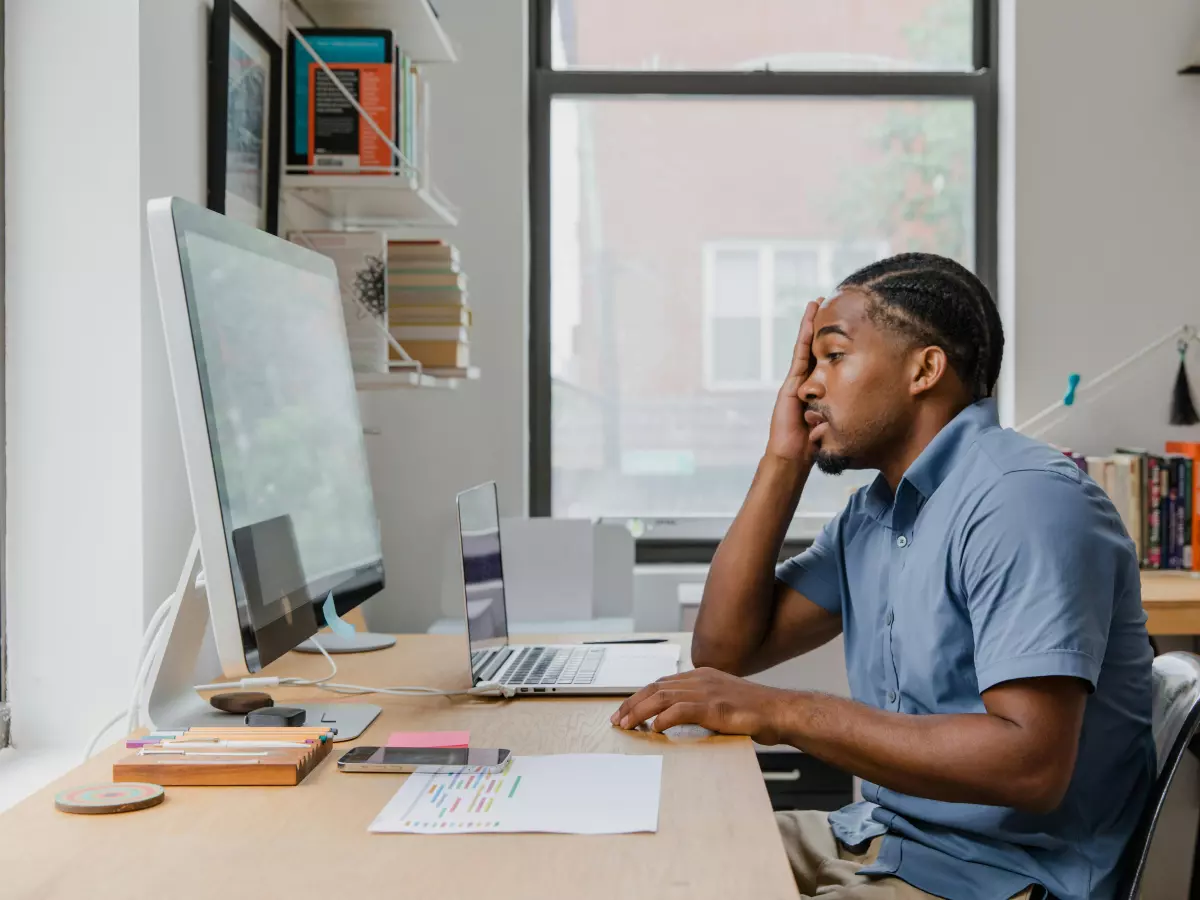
(483, 569)
(284, 432)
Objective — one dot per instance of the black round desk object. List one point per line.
(241, 702)
(276, 717)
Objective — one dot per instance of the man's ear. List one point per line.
(928, 367)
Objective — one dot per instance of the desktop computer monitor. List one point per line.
(272, 437)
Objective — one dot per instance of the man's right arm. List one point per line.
(748, 621)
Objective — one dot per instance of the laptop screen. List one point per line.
(483, 571)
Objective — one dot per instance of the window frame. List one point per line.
(980, 85)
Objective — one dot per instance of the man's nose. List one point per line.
(811, 388)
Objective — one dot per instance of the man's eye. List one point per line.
(834, 357)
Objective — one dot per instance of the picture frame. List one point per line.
(245, 90)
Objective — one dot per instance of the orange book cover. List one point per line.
(339, 139)
(1191, 449)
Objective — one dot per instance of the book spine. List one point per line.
(1133, 495)
(1183, 518)
(1168, 505)
(1143, 506)
(1194, 513)
(1170, 525)
(1153, 514)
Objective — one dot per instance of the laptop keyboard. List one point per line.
(555, 666)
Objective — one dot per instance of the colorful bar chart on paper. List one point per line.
(590, 793)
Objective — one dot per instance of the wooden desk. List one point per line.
(1172, 602)
(717, 836)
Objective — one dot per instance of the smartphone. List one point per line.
(421, 759)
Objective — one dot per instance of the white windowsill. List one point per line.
(24, 772)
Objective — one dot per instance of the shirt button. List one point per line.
(891, 696)
(891, 617)
(902, 542)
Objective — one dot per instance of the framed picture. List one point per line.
(245, 85)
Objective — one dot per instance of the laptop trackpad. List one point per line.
(640, 664)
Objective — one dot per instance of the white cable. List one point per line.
(146, 657)
(1185, 332)
(146, 654)
(275, 680)
(483, 689)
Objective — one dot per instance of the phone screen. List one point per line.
(409, 756)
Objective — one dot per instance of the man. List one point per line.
(990, 602)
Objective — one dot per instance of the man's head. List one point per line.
(913, 336)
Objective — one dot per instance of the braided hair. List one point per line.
(937, 302)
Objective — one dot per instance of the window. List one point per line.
(699, 171)
(754, 298)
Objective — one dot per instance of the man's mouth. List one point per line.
(817, 424)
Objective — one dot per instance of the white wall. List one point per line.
(1107, 189)
(436, 443)
(173, 102)
(74, 374)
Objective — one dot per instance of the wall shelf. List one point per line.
(372, 201)
(407, 378)
(417, 29)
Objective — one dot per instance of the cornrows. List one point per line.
(937, 302)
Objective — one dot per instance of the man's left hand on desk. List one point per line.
(710, 698)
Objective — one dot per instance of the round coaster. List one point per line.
(98, 799)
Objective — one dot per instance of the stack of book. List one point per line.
(427, 304)
(1158, 499)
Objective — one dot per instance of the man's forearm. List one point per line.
(967, 758)
(735, 613)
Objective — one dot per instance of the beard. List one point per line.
(833, 463)
(862, 445)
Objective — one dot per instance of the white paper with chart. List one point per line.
(583, 793)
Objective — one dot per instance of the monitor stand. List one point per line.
(173, 701)
(359, 642)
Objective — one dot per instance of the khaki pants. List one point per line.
(825, 868)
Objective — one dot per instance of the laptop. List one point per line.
(611, 669)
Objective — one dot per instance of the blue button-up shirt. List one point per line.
(996, 559)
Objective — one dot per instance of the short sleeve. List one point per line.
(1040, 567)
(816, 573)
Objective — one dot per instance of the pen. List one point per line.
(153, 751)
(631, 641)
(210, 762)
(214, 742)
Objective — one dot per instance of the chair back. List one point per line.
(1176, 691)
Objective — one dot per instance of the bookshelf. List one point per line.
(372, 201)
(400, 197)
(385, 199)
(424, 38)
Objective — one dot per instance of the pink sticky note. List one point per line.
(453, 739)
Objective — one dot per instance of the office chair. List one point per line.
(1176, 716)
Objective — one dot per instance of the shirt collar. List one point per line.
(939, 457)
